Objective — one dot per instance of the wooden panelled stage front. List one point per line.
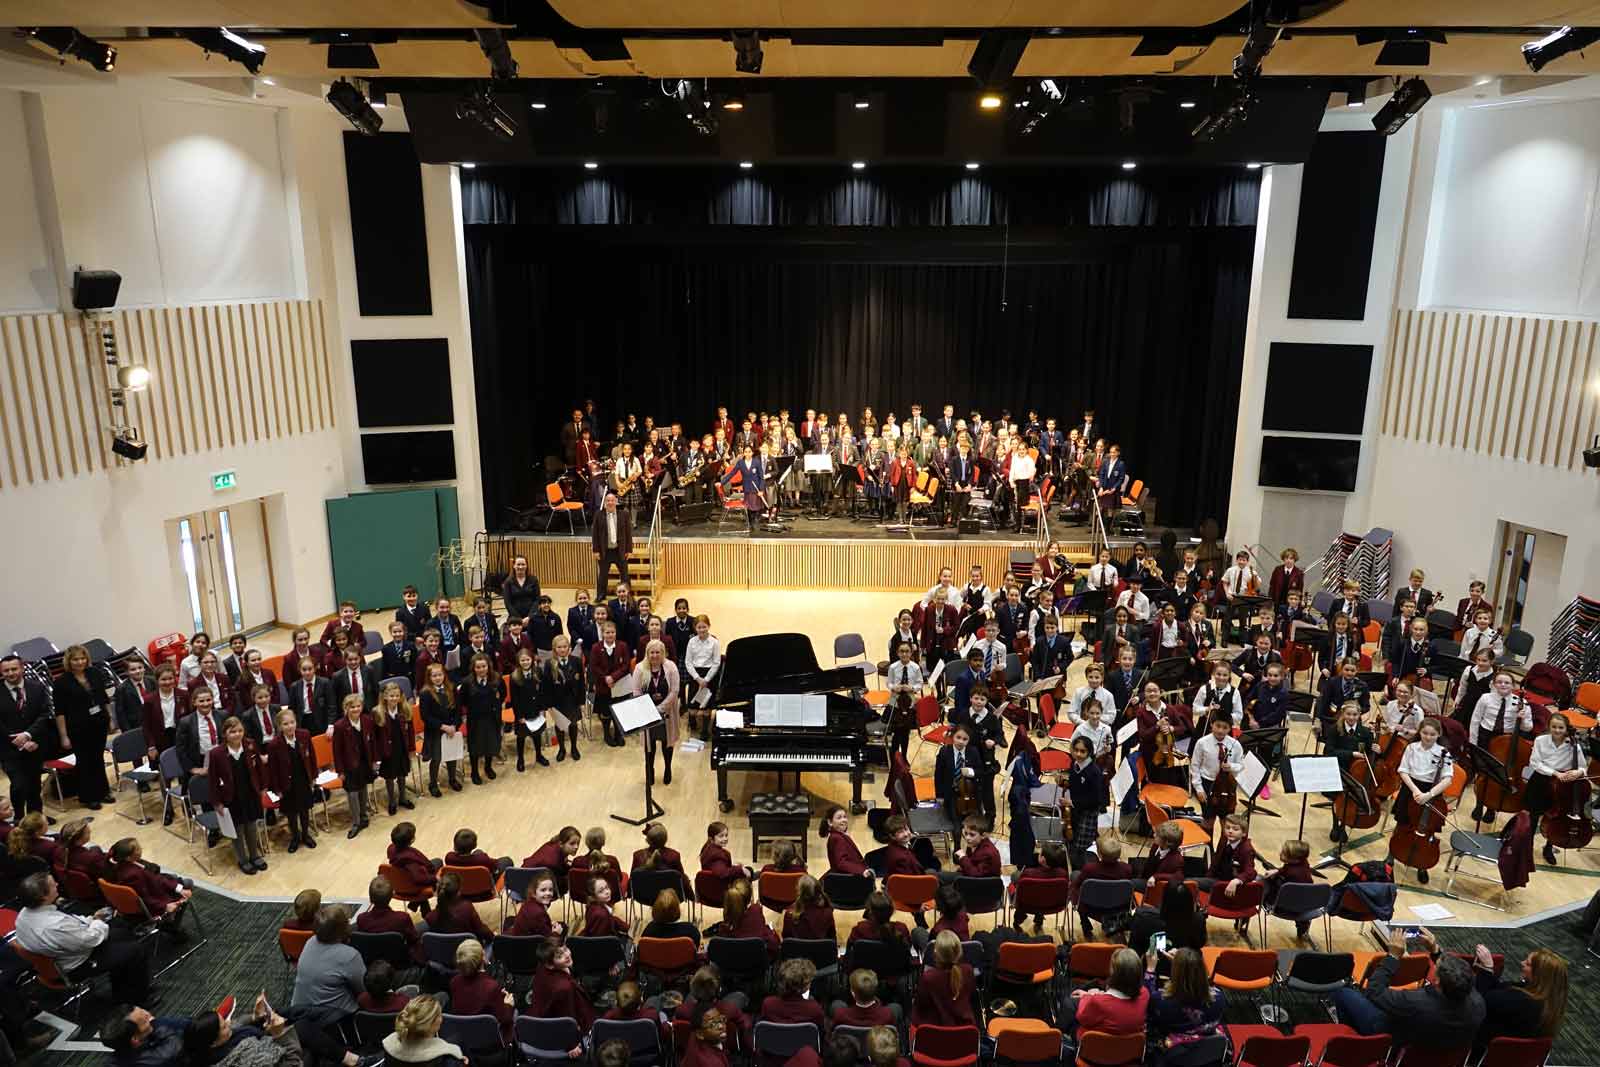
(787, 562)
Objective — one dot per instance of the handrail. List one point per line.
(1097, 530)
(657, 557)
(1042, 531)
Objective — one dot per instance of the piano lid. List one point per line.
(779, 663)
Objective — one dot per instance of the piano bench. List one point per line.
(779, 816)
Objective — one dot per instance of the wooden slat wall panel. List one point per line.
(1520, 387)
(222, 376)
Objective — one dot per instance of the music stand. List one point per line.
(1363, 800)
(970, 625)
(635, 714)
(1267, 744)
(1311, 774)
(1478, 761)
(1450, 668)
(1241, 608)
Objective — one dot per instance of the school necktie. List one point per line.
(988, 659)
(1500, 719)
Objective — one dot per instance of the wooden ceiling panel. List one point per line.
(1081, 13)
(1456, 13)
(666, 14)
(308, 14)
(790, 14)
(1091, 56)
(1465, 55)
(291, 59)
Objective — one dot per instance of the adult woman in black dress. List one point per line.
(561, 689)
(440, 719)
(479, 700)
(83, 720)
(520, 591)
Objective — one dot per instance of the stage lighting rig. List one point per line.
(1562, 42)
(478, 105)
(1257, 43)
(502, 65)
(694, 99)
(1234, 114)
(348, 101)
(65, 41)
(229, 45)
(1408, 98)
(747, 54)
(1037, 101)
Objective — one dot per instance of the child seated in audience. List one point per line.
(380, 918)
(785, 859)
(897, 855)
(952, 916)
(843, 855)
(452, 914)
(379, 992)
(810, 917)
(944, 994)
(1107, 866)
(792, 1002)
(883, 1047)
(466, 853)
(306, 905)
(596, 862)
(977, 857)
(666, 919)
(556, 994)
(1053, 866)
(1294, 865)
(598, 918)
(705, 987)
(473, 991)
(708, 1035)
(743, 917)
(1166, 859)
(533, 918)
(555, 855)
(75, 853)
(163, 896)
(878, 922)
(410, 860)
(656, 856)
(631, 1005)
(715, 857)
(864, 1009)
(28, 840)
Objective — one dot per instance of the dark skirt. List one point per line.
(1541, 795)
(298, 798)
(483, 735)
(398, 763)
(1085, 828)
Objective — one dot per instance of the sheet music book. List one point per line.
(702, 698)
(533, 724)
(729, 720)
(937, 673)
(635, 712)
(623, 688)
(452, 748)
(819, 463)
(1312, 774)
(1122, 781)
(790, 709)
(225, 824)
(1128, 729)
(452, 660)
(1251, 776)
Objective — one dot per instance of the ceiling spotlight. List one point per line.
(469, 166)
(537, 105)
(1128, 164)
(972, 165)
(733, 102)
(990, 101)
(1407, 100)
(1252, 166)
(745, 164)
(859, 164)
(502, 66)
(128, 444)
(747, 53)
(379, 97)
(348, 101)
(1037, 101)
(861, 102)
(65, 41)
(994, 58)
(1563, 41)
(134, 379)
(229, 45)
(1187, 105)
(1356, 95)
(590, 164)
(1247, 64)
(478, 105)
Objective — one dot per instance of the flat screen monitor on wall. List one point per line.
(1316, 463)
(409, 457)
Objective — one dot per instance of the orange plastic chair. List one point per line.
(928, 715)
(666, 957)
(911, 892)
(1097, 1048)
(1588, 697)
(478, 886)
(1339, 1045)
(778, 889)
(292, 943)
(1131, 497)
(1413, 970)
(1168, 796)
(322, 751)
(1194, 835)
(560, 505)
(1090, 961)
(1026, 1044)
(1026, 963)
(1237, 970)
(127, 903)
(1274, 1050)
(405, 890)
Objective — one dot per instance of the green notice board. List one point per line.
(449, 530)
(382, 542)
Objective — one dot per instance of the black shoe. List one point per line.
(521, 767)
(666, 776)
(294, 844)
(476, 779)
(433, 789)
(455, 785)
(309, 841)
(575, 753)
(166, 818)
(212, 837)
(92, 805)
(561, 754)
(489, 772)
(407, 804)
(542, 761)
(248, 869)
(393, 809)
(1550, 854)
(353, 831)
(261, 864)
(1422, 876)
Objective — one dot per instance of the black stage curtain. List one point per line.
(641, 292)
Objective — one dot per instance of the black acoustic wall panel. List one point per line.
(1309, 463)
(1314, 388)
(402, 381)
(386, 224)
(1338, 217)
(414, 456)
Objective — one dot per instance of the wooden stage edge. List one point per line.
(786, 562)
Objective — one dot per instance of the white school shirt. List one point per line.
(1108, 705)
(1021, 467)
(905, 674)
(1406, 723)
(1228, 698)
(1423, 764)
(1473, 639)
(1551, 758)
(1099, 737)
(994, 653)
(701, 656)
(169, 709)
(1138, 604)
(1102, 576)
(1488, 710)
(952, 593)
(1236, 579)
(1207, 759)
(1169, 633)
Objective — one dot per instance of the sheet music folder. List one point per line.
(791, 709)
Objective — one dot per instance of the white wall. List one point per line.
(186, 199)
(27, 282)
(1513, 219)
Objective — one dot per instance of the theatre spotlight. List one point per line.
(65, 41)
(747, 54)
(1407, 100)
(502, 66)
(478, 105)
(128, 443)
(1566, 40)
(1247, 64)
(1037, 101)
(1591, 455)
(229, 45)
(134, 379)
(348, 101)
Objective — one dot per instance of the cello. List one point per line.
(1345, 808)
(1567, 824)
(1417, 844)
(1513, 751)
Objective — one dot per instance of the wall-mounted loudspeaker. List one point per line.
(95, 289)
(1591, 455)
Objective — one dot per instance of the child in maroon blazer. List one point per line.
(598, 918)
(466, 853)
(656, 856)
(715, 857)
(291, 772)
(864, 1009)
(952, 913)
(555, 855)
(1053, 866)
(355, 739)
(533, 918)
(162, 896)
(785, 859)
(897, 855)
(877, 922)
(705, 987)
(1166, 859)
(630, 1005)
(555, 993)
(596, 861)
(1294, 865)
(380, 918)
(304, 913)
(792, 1002)
(1106, 866)
(404, 855)
(843, 855)
(811, 915)
(742, 917)
(233, 770)
(378, 989)
(977, 858)
(473, 991)
(1232, 864)
(944, 995)
(454, 914)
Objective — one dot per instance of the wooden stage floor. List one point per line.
(516, 813)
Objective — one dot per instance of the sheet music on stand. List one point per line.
(818, 463)
(1041, 685)
(791, 709)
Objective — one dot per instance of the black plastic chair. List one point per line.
(642, 1036)
(440, 952)
(1297, 902)
(741, 960)
(646, 885)
(982, 895)
(389, 946)
(594, 957)
(372, 1027)
(849, 892)
(517, 956)
(890, 961)
(546, 1040)
(782, 1040)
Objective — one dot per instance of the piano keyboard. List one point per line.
(770, 758)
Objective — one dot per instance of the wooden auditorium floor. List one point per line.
(517, 812)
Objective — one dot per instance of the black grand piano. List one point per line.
(785, 663)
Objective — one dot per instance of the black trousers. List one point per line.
(88, 736)
(23, 770)
(611, 557)
(125, 961)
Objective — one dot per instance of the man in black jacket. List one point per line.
(24, 725)
(1444, 1015)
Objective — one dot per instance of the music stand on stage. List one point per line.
(1267, 745)
(634, 714)
(1479, 761)
(1311, 774)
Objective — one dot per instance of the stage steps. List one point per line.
(641, 575)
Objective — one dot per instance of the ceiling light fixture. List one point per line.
(479, 105)
(1128, 164)
(134, 379)
(1566, 40)
(590, 164)
(229, 45)
(861, 102)
(859, 164)
(65, 41)
(990, 101)
(379, 97)
(537, 105)
(733, 102)
(1187, 105)
(747, 54)
(469, 166)
(1252, 166)
(972, 165)
(745, 164)
(348, 101)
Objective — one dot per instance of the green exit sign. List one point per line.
(224, 480)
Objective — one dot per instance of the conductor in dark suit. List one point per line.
(25, 720)
(611, 539)
(356, 677)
